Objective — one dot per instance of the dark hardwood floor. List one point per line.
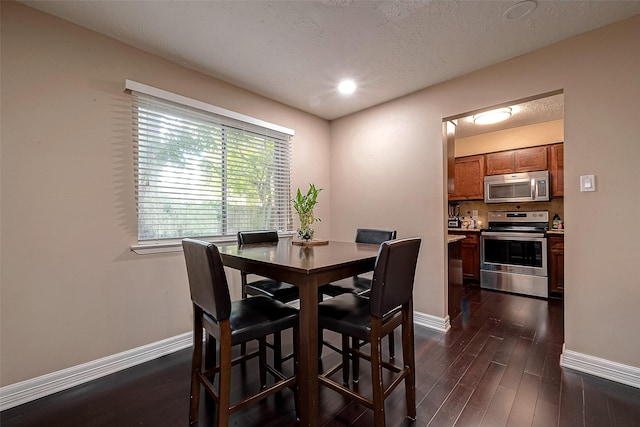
(497, 366)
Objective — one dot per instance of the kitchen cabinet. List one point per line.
(470, 255)
(521, 160)
(456, 287)
(469, 174)
(556, 169)
(556, 265)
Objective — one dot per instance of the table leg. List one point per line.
(308, 357)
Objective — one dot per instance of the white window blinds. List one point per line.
(201, 174)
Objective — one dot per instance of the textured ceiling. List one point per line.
(540, 110)
(296, 51)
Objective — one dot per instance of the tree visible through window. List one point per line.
(202, 175)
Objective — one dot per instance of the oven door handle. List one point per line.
(506, 235)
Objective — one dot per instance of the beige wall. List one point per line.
(72, 291)
(388, 170)
(520, 137)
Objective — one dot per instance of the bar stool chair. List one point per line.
(389, 306)
(283, 292)
(358, 284)
(230, 323)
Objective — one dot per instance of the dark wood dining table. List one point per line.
(306, 267)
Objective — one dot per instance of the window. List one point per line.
(200, 173)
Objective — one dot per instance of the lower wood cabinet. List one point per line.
(456, 288)
(470, 255)
(556, 265)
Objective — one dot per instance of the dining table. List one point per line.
(308, 267)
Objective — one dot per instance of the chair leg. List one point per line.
(408, 357)
(392, 346)
(355, 360)
(262, 358)
(296, 372)
(224, 384)
(376, 373)
(277, 351)
(345, 360)
(196, 366)
(243, 280)
(210, 352)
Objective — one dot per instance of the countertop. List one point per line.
(478, 230)
(466, 230)
(452, 238)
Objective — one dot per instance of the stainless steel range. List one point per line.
(513, 253)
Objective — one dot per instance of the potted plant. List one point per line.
(304, 205)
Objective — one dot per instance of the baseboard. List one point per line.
(441, 324)
(624, 374)
(45, 385)
(26, 391)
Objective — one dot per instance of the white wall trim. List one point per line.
(45, 385)
(131, 85)
(624, 374)
(35, 388)
(441, 324)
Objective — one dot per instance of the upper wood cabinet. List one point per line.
(556, 169)
(469, 175)
(499, 163)
(522, 160)
(469, 171)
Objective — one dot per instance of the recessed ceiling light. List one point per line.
(493, 116)
(519, 10)
(347, 87)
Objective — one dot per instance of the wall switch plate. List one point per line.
(474, 213)
(587, 183)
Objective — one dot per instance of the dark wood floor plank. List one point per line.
(480, 365)
(452, 407)
(516, 363)
(621, 402)
(546, 414)
(596, 408)
(551, 376)
(524, 405)
(497, 366)
(571, 400)
(499, 408)
(479, 401)
(533, 318)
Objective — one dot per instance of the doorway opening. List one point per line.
(532, 125)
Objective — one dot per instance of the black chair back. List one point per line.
(263, 236)
(393, 276)
(207, 279)
(369, 235)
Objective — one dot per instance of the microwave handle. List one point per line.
(534, 189)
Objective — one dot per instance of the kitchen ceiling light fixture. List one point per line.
(493, 116)
(347, 87)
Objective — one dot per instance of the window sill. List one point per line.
(166, 246)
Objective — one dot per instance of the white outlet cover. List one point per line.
(587, 183)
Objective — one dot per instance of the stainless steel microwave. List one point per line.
(517, 187)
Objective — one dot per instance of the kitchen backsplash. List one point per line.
(553, 206)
